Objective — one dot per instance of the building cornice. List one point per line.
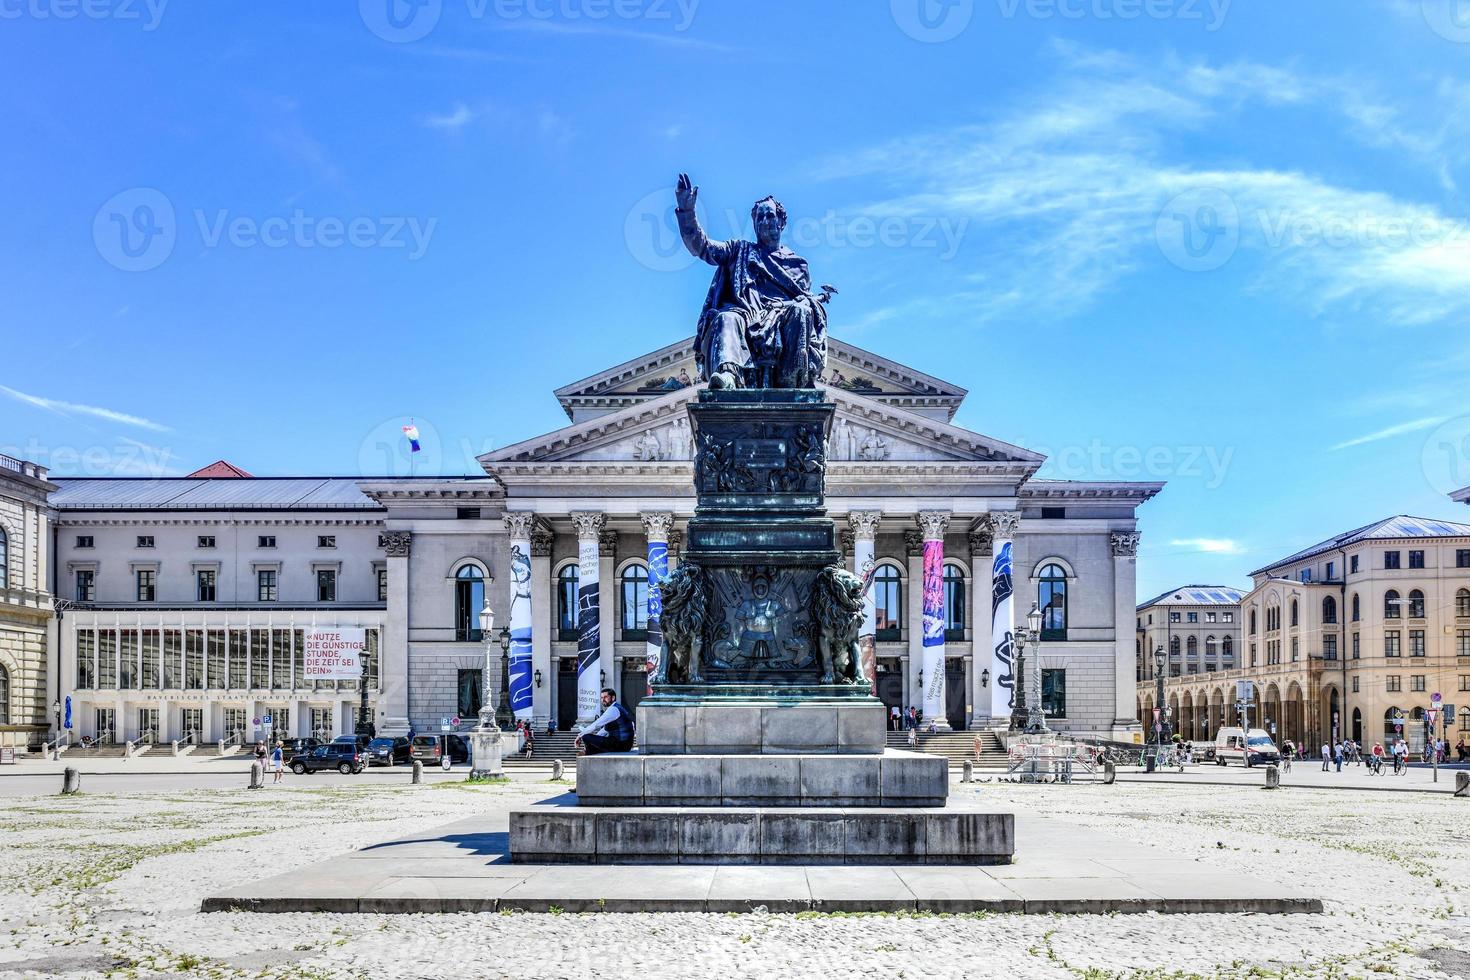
(78, 520)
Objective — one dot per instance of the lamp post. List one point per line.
(1161, 664)
(502, 712)
(1022, 637)
(364, 727)
(485, 738)
(1035, 716)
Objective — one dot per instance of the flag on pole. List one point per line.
(411, 432)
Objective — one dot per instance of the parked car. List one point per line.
(430, 749)
(1247, 748)
(385, 751)
(292, 747)
(361, 741)
(341, 756)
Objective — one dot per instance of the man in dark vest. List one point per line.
(613, 729)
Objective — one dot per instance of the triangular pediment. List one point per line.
(865, 431)
(672, 368)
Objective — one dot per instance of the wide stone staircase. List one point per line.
(956, 747)
(544, 749)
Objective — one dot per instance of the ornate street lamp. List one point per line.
(1023, 636)
(1160, 666)
(502, 712)
(364, 727)
(487, 700)
(485, 738)
(1035, 716)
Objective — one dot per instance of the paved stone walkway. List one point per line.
(464, 867)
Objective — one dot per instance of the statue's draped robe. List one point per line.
(782, 349)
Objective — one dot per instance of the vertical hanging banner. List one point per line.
(1002, 692)
(520, 629)
(658, 570)
(589, 632)
(934, 707)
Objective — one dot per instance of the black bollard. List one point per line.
(71, 782)
(1110, 773)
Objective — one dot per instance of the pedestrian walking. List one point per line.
(1337, 756)
(278, 763)
(1287, 751)
(893, 718)
(1326, 757)
(913, 737)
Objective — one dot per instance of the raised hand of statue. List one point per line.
(685, 194)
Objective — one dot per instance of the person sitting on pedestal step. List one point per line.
(613, 729)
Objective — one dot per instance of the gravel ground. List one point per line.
(104, 884)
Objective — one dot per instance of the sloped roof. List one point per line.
(1197, 595)
(1461, 496)
(1399, 526)
(219, 470)
(229, 493)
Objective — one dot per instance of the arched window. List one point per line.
(4, 690)
(1295, 614)
(1357, 608)
(1391, 730)
(4, 559)
(1227, 652)
(1051, 599)
(1462, 603)
(635, 602)
(954, 602)
(1416, 604)
(1391, 604)
(469, 599)
(1210, 654)
(1329, 609)
(566, 603)
(1191, 647)
(1253, 622)
(888, 601)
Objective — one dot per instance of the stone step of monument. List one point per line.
(955, 746)
(759, 835)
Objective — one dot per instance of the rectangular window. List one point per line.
(1209, 617)
(1416, 559)
(326, 541)
(1253, 655)
(467, 514)
(86, 585)
(1352, 563)
(298, 656)
(1390, 559)
(1054, 692)
(145, 541)
(86, 660)
(1416, 643)
(1355, 683)
(260, 659)
(194, 660)
(1296, 649)
(469, 691)
(127, 657)
(1416, 682)
(205, 580)
(265, 585)
(1391, 643)
(147, 587)
(1228, 617)
(1357, 647)
(1462, 557)
(1053, 513)
(238, 660)
(214, 667)
(1392, 683)
(1173, 617)
(173, 663)
(1331, 570)
(382, 585)
(206, 540)
(150, 678)
(281, 660)
(1465, 682)
(1194, 617)
(1329, 647)
(85, 541)
(265, 541)
(106, 660)
(1462, 643)
(326, 585)
(1306, 575)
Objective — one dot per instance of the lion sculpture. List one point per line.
(837, 611)
(682, 620)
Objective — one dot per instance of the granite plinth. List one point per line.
(759, 835)
(892, 779)
(729, 726)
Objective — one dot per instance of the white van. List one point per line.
(1231, 745)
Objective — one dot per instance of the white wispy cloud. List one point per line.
(460, 115)
(1211, 546)
(1393, 430)
(1071, 187)
(72, 408)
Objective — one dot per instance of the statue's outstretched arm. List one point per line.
(695, 240)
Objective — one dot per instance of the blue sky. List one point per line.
(1222, 244)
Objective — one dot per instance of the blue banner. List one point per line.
(520, 632)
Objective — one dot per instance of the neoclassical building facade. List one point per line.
(188, 595)
(1349, 638)
(25, 602)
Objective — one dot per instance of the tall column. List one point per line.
(934, 523)
(864, 524)
(522, 628)
(656, 527)
(395, 719)
(913, 546)
(982, 659)
(611, 674)
(589, 616)
(1003, 528)
(1125, 579)
(543, 697)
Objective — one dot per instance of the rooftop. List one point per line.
(1390, 528)
(1197, 595)
(223, 493)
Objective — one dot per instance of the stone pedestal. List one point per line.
(485, 743)
(673, 725)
